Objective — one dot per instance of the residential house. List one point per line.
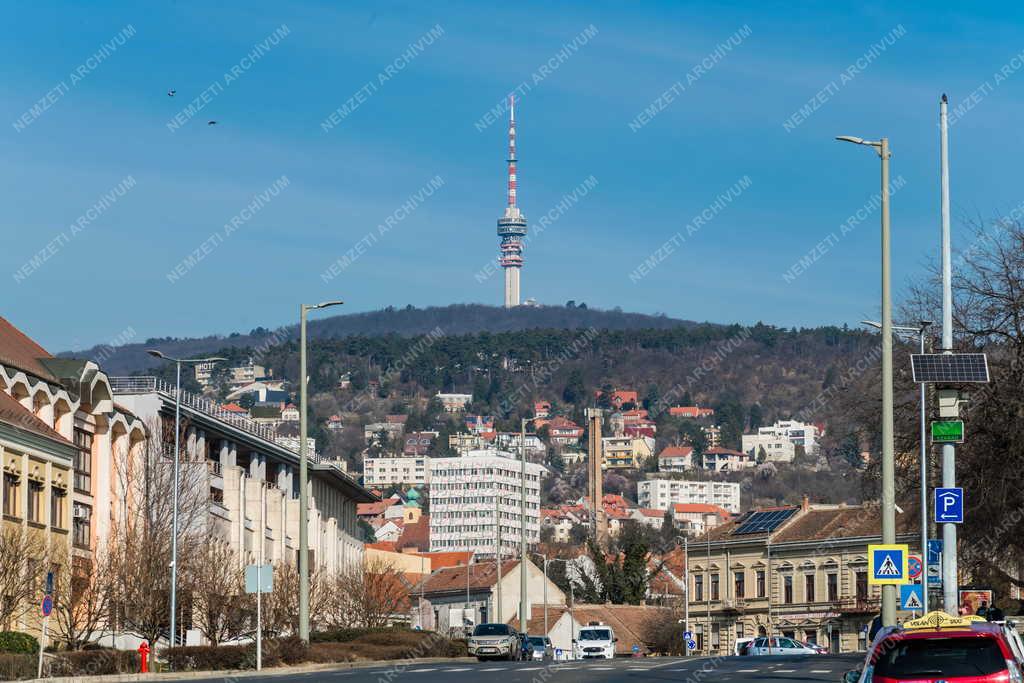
(464, 443)
(418, 443)
(675, 459)
(290, 413)
(396, 471)
(478, 424)
(780, 440)
(692, 412)
(619, 398)
(563, 431)
(661, 494)
(542, 409)
(454, 403)
(512, 442)
(625, 452)
(724, 459)
(697, 518)
(649, 516)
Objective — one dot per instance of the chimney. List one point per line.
(805, 505)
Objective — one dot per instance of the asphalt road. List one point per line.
(775, 669)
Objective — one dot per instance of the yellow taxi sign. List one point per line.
(889, 564)
(940, 620)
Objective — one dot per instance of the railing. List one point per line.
(144, 385)
(858, 605)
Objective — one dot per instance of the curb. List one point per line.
(252, 673)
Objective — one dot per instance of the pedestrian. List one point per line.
(983, 610)
(994, 613)
(876, 626)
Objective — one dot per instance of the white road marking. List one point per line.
(786, 671)
(420, 671)
(747, 671)
(495, 668)
(821, 671)
(463, 668)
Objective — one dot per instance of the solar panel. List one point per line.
(764, 521)
(949, 368)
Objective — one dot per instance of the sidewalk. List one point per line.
(248, 673)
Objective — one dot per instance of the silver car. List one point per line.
(539, 648)
(779, 646)
(495, 641)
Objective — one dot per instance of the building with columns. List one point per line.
(249, 475)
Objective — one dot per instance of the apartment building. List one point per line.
(779, 441)
(512, 443)
(454, 403)
(675, 459)
(662, 494)
(625, 452)
(464, 443)
(727, 460)
(798, 572)
(472, 495)
(697, 518)
(392, 471)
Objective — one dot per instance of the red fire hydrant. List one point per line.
(143, 657)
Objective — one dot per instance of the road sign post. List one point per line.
(45, 609)
(949, 505)
(259, 579)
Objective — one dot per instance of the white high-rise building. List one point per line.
(781, 439)
(462, 503)
(661, 494)
(385, 471)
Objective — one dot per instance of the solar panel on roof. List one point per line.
(764, 521)
(949, 368)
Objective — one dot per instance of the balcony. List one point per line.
(858, 605)
(146, 385)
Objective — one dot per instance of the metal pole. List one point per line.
(686, 580)
(545, 594)
(497, 549)
(768, 588)
(259, 577)
(888, 456)
(303, 484)
(174, 504)
(949, 550)
(523, 616)
(924, 487)
(572, 620)
(707, 595)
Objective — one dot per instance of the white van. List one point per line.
(595, 640)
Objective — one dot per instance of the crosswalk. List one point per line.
(614, 665)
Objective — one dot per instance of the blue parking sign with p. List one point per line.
(949, 505)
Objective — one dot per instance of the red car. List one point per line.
(939, 648)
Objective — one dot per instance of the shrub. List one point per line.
(14, 667)
(289, 650)
(344, 635)
(94, 663)
(18, 643)
(209, 658)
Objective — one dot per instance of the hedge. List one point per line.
(94, 663)
(18, 643)
(14, 667)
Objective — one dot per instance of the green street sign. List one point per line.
(948, 431)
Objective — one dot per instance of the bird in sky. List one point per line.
(172, 93)
(211, 123)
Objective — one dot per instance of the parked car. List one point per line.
(594, 641)
(742, 645)
(958, 651)
(779, 646)
(820, 649)
(538, 648)
(495, 641)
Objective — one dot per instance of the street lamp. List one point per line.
(303, 493)
(888, 457)
(920, 332)
(686, 588)
(174, 495)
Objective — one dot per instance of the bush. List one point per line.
(94, 663)
(15, 667)
(344, 635)
(18, 643)
(209, 658)
(288, 650)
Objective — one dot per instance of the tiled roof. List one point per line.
(684, 508)
(415, 535)
(15, 414)
(481, 575)
(826, 522)
(676, 452)
(724, 451)
(19, 351)
(650, 512)
(628, 621)
(535, 624)
(375, 508)
(440, 560)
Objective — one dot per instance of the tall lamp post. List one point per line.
(920, 332)
(888, 457)
(174, 495)
(303, 486)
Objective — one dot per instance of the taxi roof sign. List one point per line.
(939, 620)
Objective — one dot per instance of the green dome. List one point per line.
(412, 494)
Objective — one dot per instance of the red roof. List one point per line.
(651, 512)
(676, 452)
(17, 350)
(481, 575)
(13, 413)
(442, 560)
(724, 451)
(375, 508)
(234, 408)
(683, 508)
(389, 546)
(415, 535)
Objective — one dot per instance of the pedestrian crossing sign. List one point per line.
(888, 564)
(912, 597)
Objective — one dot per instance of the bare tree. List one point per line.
(221, 608)
(81, 599)
(140, 539)
(281, 606)
(21, 551)
(368, 597)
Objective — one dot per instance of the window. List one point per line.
(83, 461)
(715, 636)
(739, 630)
(58, 519)
(82, 526)
(698, 587)
(714, 586)
(700, 636)
(787, 589)
(760, 583)
(833, 587)
(809, 595)
(12, 495)
(35, 502)
(862, 585)
(739, 581)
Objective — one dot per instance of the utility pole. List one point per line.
(924, 480)
(497, 548)
(686, 591)
(949, 550)
(523, 616)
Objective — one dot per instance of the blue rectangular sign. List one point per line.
(949, 505)
(912, 597)
(934, 550)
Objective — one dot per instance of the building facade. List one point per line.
(780, 440)
(625, 452)
(662, 494)
(470, 495)
(391, 471)
(675, 459)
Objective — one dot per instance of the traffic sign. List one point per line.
(915, 567)
(949, 505)
(948, 431)
(687, 635)
(912, 597)
(888, 564)
(49, 583)
(636, 648)
(692, 644)
(259, 578)
(934, 550)
(47, 606)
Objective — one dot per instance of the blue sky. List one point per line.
(110, 122)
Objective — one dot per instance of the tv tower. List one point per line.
(512, 225)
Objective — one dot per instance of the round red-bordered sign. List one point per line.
(915, 567)
(47, 606)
